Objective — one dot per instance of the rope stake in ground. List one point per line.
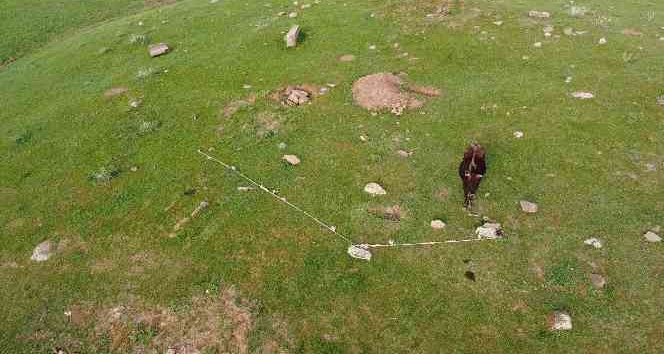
(355, 250)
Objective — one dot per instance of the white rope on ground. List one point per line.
(432, 243)
(330, 228)
(356, 250)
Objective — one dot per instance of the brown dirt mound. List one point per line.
(382, 91)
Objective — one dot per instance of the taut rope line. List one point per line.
(356, 250)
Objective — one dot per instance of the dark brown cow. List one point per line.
(471, 171)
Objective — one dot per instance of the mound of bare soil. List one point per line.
(383, 91)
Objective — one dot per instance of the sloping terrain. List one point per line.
(99, 154)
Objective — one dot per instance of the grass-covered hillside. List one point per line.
(99, 141)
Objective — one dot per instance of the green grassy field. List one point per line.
(108, 181)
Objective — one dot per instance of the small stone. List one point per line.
(281, 13)
(528, 207)
(372, 47)
(583, 95)
(246, 86)
(518, 134)
(347, 58)
(291, 159)
(593, 242)
(652, 237)
(42, 252)
(602, 40)
(489, 230)
(364, 138)
(597, 280)
(650, 167)
(374, 189)
(292, 36)
(560, 321)
(158, 49)
(548, 29)
(537, 44)
(539, 14)
(135, 103)
(359, 252)
(305, 6)
(568, 31)
(133, 169)
(498, 23)
(292, 15)
(568, 79)
(437, 224)
(660, 100)
(404, 153)
(245, 189)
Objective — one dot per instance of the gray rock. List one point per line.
(597, 280)
(404, 153)
(660, 100)
(529, 207)
(291, 159)
(359, 252)
(437, 224)
(374, 189)
(282, 146)
(560, 321)
(539, 14)
(292, 36)
(158, 49)
(583, 95)
(489, 231)
(43, 251)
(652, 237)
(593, 242)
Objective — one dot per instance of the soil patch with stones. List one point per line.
(296, 95)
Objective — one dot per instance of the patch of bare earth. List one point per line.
(234, 106)
(392, 213)
(384, 91)
(267, 124)
(158, 3)
(219, 323)
(116, 91)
